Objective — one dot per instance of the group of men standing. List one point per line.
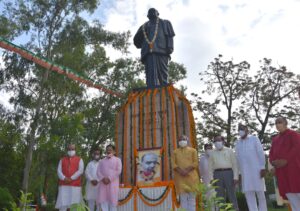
(224, 165)
(102, 180)
(248, 161)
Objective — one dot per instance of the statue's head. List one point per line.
(152, 13)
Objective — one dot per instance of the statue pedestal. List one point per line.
(152, 119)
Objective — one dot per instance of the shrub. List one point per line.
(5, 198)
(242, 201)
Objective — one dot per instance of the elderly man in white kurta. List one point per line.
(251, 161)
(92, 181)
(69, 171)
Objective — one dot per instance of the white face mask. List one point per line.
(219, 145)
(208, 152)
(71, 153)
(96, 157)
(242, 133)
(183, 143)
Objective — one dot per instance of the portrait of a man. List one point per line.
(148, 167)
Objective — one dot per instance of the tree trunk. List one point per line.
(31, 138)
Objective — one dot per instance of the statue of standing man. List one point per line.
(155, 38)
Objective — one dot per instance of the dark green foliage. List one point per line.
(50, 110)
(242, 201)
(5, 199)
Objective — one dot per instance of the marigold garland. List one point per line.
(126, 198)
(149, 199)
(151, 43)
(157, 203)
(147, 118)
(125, 144)
(164, 132)
(154, 116)
(172, 116)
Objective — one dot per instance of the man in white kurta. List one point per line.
(92, 181)
(251, 162)
(203, 164)
(69, 171)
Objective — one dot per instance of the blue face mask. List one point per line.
(242, 133)
(219, 145)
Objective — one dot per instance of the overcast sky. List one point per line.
(237, 29)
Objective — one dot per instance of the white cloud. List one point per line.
(242, 30)
(238, 29)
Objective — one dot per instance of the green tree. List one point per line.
(11, 161)
(225, 83)
(48, 25)
(51, 110)
(273, 93)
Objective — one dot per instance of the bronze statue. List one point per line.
(155, 38)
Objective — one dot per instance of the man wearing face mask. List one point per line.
(251, 161)
(203, 164)
(108, 172)
(222, 166)
(285, 157)
(92, 181)
(69, 171)
(185, 164)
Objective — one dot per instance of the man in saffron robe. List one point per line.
(69, 171)
(186, 177)
(108, 172)
(285, 157)
(155, 38)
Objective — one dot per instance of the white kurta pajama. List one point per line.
(204, 171)
(91, 190)
(251, 160)
(68, 195)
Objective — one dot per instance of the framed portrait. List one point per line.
(148, 166)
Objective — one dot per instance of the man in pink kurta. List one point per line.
(108, 172)
(285, 157)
